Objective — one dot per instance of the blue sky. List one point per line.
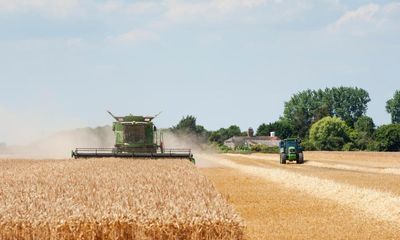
(63, 63)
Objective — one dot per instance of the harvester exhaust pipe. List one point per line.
(116, 119)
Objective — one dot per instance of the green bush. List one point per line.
(329, 133)
(349, 147)
(247, 150)
(372, 146)
(264, 149)
(365, 125)
(393, 107)
(243, 149)
(387, 137)
(224, 149)
(308, 145)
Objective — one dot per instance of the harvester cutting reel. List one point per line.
(115, 153)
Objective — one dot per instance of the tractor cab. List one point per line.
(291, 150)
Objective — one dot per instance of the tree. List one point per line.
(387, 137)
(348, 103)
(282, 129)
(329, 133)
(188, 125)
(393, 107)
(223, 134)
(264, 129)
(304, 108)
(365, 125)
(309, 106)
(233, 131)
(216, 136)
(361, 136)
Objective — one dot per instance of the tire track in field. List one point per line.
(271, 211)
(394, 171)
(380, 205)
(379, 182)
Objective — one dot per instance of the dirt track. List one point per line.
(332, 195)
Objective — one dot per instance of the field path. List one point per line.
(378, 167)
(335, 199)
(356, 176)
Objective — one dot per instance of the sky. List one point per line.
(64, 63)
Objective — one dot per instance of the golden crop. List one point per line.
(111, 199)
(342, 195)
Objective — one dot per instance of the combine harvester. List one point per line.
(135, 137)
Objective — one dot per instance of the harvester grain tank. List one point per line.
(291, 150)
(135, 137)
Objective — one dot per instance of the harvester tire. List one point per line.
(283, 158)
(301, 159)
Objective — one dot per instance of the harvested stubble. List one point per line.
(111, 199)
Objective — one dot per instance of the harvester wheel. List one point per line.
(301, 159)
(283, 158)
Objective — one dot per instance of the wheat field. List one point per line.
(333, 195)
(111, 199)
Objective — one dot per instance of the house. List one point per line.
(250, 140)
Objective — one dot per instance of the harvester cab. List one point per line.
(135, 137)
(291, 150)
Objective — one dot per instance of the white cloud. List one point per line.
(246, 11)
(66, 7)
(57, 8)
(174, 12)
(169, 11)
(183, 11)
(365, 13)
(368, 18)
(141, 7)
(134, 36)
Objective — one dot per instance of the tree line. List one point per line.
(325, 119)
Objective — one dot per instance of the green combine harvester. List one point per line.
(291, 150)
(135, 137)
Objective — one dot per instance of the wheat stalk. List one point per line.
(111, 199)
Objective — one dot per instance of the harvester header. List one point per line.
(135, 137)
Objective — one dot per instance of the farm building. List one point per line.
(250, 140)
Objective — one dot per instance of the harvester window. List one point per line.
(135, 133)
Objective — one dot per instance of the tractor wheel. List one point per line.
(283, 158)
(301, 159)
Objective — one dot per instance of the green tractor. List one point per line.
(291, 150)
(135, 137)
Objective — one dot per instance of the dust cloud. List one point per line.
(60, 145)
(199, 146)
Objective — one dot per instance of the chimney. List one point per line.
(250, 132)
